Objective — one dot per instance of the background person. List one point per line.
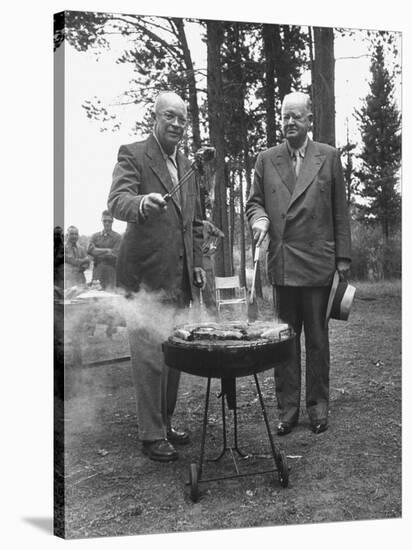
(161, 250)
(58, 257)
(104, 248)
(298, 198)
(76, 260)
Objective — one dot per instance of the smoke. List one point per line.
(152, 312)
(145, 312)
(148, 312)
(92, 393)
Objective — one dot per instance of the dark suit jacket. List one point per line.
(309, 222)
(153, 253)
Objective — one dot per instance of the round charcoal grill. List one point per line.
(228, 360)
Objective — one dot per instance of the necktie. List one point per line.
(297, 161)
(171, 166)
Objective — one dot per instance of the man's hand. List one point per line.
(199, 277)
(343, 267)
(259, 230)
(153, 205)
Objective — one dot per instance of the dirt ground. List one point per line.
(350, 472)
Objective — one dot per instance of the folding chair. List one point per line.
(230, 294)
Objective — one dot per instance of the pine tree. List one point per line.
(323, 85)
(380, 124)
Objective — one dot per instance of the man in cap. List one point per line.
(298, 198)
(161, 251)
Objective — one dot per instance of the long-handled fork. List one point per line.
(252, 310)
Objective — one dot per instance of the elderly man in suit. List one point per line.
(76, 260)
(298, 198)
(161, 250)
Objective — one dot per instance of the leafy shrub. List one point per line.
(372, 257)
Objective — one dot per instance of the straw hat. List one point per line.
(340, 299)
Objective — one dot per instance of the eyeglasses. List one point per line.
(294, 116)
(171, 118)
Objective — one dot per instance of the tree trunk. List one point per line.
(268, 46)
(215, 37)
(191, 83)
(312, 77)
(282, 61)
(244, 171)
(323, 85)
(242, 274)
(193, 103)
(243, 161)
(231, 178)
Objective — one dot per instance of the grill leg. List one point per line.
(224, 433)
(236, 448)
(224, 438)
(202, 445)
(262, 405)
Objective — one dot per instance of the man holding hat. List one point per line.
(298, 198)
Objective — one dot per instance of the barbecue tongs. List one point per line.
(252, 312)
(204, 154)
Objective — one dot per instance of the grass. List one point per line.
(364, 289)
(351, 472)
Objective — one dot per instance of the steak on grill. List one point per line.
(232, 331)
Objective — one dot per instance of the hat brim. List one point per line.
(346, 303)
(332, 294)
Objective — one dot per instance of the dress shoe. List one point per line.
(319, 427)
(177, 436)
(161, 450)
(284, 428)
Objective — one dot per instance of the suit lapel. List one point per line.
(283, 164)
(159, 167)
(310, 167)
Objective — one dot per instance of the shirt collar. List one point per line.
(301, 151)
(165, 155)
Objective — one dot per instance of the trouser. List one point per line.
(304, 306)
(156, 385)
(106, 274)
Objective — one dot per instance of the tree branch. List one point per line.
(170, 47)
(354, 56)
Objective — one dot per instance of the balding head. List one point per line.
(296, 118)
(72, 234)
(167, 99)
(298, 98)
(171, 119)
